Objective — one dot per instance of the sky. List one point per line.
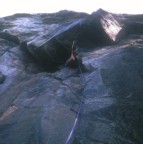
(9, 7)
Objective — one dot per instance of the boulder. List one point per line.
(100, 28)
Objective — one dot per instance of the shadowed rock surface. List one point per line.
(39, 96)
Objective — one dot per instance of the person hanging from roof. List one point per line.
(72, 61)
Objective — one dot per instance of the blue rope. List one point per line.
(74, 125)
(78, 114)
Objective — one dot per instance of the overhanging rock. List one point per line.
(55, 50)
(100, 28)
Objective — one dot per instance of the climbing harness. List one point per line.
(80, 106)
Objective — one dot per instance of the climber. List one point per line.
(72, 61)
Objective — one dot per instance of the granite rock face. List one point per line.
(40, 97)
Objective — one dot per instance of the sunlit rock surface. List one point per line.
(40, 97)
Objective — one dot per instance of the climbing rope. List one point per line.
(79, 109)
